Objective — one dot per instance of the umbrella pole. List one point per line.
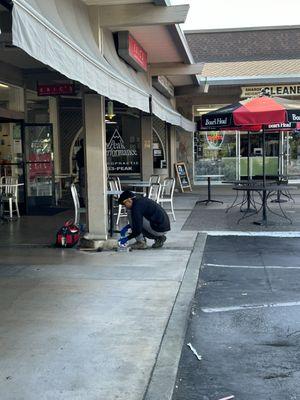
(264, 193)
(264, 156)
(248, 156)
(248, 172)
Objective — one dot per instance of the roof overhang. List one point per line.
(256, 80)
(154, 24)
(123, 16)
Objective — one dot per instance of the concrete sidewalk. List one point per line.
(96, 326)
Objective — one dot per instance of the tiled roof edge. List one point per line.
(253, 28)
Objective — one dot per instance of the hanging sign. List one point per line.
(163, 85)
(131, 51)
(55, 90)
(278, 90)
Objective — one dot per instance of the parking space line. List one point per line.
(249, 307)
(251, 266)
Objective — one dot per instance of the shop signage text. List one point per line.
(221, 121)
(56, 90)
(163, 85)
(131, 51)
(279, 90)
(119, 158)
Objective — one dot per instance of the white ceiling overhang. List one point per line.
(57, 33)
(161, 107)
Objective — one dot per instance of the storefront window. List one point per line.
(215, 154)
(123, 144)
(291, 146)
(11, 97)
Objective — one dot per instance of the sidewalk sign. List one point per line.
(183, 176)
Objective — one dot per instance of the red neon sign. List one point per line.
(55, 90)
(137, 52)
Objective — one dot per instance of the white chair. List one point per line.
(10, 194)
(78, 210)
(154, 192)
(167, 192)
(115, 184)
(154, 179)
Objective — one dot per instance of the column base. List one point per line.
(89, 244)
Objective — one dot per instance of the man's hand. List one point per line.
(124, 230)
(123, 240)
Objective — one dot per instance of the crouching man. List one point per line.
(147, 220)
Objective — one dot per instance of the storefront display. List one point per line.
(123, 144)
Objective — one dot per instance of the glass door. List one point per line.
(39, 166)
(272, 152)
(11, 156)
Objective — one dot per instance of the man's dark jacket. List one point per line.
(152, 211)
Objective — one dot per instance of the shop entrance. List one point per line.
(274, 150)
(39, 167)
(26, 153)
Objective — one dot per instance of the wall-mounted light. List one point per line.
(3, 86)
(110, 110)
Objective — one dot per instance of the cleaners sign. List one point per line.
(279, 90)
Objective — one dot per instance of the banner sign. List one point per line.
(40, 165)
(121, 159)
(217, 121)
(163, 85)
(131, 51)
(278, 90)
(56, 90)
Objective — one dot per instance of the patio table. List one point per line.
(209, 199)
(265, 192)
(137, 184)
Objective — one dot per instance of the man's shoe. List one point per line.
(139, 245)
(159, 242)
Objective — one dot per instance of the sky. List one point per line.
(214, 14)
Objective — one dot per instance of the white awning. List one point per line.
(58, 34)
(161, 106)
(164, 110)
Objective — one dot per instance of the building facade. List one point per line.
(234, 65)
(72, 70)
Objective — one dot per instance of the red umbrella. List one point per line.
(252, 112)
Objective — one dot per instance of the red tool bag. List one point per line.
(68, 235)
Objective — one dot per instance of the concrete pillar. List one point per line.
(54, 120)
(95, 166)
(146, 147)
(172, 145)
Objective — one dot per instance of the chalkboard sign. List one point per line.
(182, 175)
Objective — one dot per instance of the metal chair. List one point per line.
(10, 194)
(154, 179)
(114, 183)
(154, 192)
(78, 210)
(167, 192)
